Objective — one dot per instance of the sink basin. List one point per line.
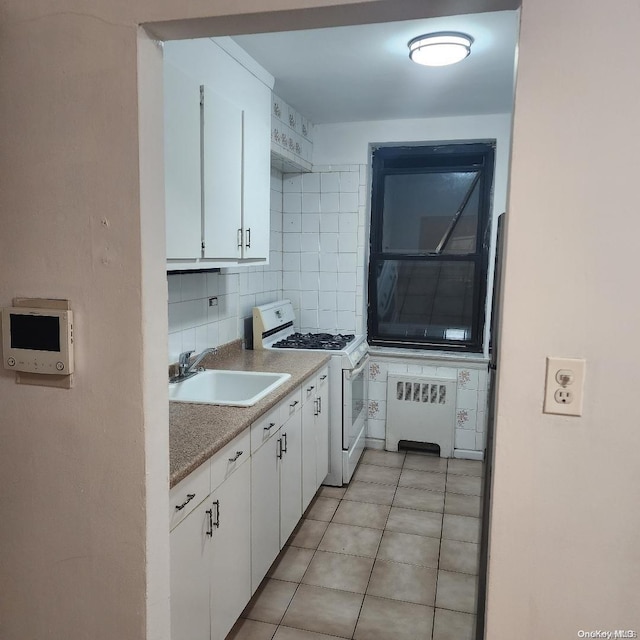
(235, 388)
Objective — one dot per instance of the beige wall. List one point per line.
(79, 558)
(564, 552)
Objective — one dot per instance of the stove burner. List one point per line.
(315, 341)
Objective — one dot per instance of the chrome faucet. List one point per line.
(186, 370)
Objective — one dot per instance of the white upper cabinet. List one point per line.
(183, 186)
(222, 176)
(231, 188)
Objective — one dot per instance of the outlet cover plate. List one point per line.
(576, 388)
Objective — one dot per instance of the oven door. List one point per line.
(354, 395)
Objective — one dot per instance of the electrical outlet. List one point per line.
(564, 386)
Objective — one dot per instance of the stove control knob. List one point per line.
(11, 362)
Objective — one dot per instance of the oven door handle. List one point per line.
(358, 371)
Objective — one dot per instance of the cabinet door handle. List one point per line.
(210, 529)
(190, 497)
(238, 454)
(239, 238)
(271, 425)
(320, 404)
(279, 451)
(284, 437)
(216, 524)
(315, 404)
(248, 234)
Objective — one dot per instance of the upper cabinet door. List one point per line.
(183, 186)
(222, 126)
(256, 187)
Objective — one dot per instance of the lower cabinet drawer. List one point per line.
(188, 494)
(230, 458)
(264, 428)
(290, 405)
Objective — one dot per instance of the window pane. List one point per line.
(425, 300)
(419, 208)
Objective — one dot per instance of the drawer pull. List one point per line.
(238, 454)
(323, 377)
(271, 425)
(295, 402)
(310, 389)
(284, 448)
(190, 497)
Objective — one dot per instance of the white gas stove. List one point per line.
(274, 328)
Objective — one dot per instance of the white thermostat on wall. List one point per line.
(37, 340)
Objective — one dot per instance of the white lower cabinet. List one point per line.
(290, 476)
(230, 551)
(315, 435)
(232, 515)
(190, 577)
(211, 551)
(276, 484)
(265, 507)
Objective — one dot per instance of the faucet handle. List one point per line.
(184, 357)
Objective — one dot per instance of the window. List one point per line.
(430, 245)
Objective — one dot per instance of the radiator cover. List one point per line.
(421, 409)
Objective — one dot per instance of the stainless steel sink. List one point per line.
(235, 388)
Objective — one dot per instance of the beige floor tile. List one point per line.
(422, 480)
(331, 492)
(419, 499)
(453, 625)
(246, 629)
(425, 462)
(404, 547)
(383, 619)
(322, 509)
(456, 591)
(383, 458)
(270, 601)
(369, 492)
(337, 571)
(308, 534)
(405, 582)
(459, 556)
(348, 539)
(468, 485)
(466, 467)
(362, 514)
(461, 528)
(458, 504)
(289, 633)
(421, 523)
(324, 611)
(291, 564)
(377, 474)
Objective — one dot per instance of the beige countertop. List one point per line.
(197, 431)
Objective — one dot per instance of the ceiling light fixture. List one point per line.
(440, 49)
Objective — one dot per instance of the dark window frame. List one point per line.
(387, 160)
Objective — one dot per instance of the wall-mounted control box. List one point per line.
(37, 340)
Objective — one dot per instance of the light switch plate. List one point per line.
(564, 387)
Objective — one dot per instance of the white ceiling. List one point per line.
(363, 72)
